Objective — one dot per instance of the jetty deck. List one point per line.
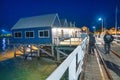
(93, 70)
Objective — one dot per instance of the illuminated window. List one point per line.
(43, 33)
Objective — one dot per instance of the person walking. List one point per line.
(92, 42)
(107, 42)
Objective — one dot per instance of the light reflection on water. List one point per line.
(4, 44)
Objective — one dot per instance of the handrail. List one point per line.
(73, 63)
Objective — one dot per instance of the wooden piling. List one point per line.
(52, 48)
(14, 50)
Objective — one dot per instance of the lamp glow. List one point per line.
(99, 19)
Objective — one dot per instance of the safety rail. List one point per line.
(73, 63)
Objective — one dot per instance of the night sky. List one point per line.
(83, 12)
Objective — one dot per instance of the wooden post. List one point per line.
(52, 48)
(38, 53)
(38, 56)
(24, 51)
(70, 41)
(58, 56)
(57, 41)
(31, 50)
(14, 51)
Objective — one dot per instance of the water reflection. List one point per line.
(4, 44)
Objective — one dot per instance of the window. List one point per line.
(43, 33)
(46, 33)
(17, 34)
(29, 34)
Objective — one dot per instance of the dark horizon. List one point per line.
(83, 13)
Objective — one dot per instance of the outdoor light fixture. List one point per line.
(94, 28)
(101, 19)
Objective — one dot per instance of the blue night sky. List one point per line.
(83, 12)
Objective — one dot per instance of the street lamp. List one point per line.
(101, 19)
(94, 28)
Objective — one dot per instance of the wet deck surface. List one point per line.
(92, 71)
(112, 61)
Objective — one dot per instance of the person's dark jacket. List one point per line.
(108, 38)
(91, 40)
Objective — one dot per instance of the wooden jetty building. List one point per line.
(41, 34)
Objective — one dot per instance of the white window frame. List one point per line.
(29, 37)
(43, 34)
(18, 32)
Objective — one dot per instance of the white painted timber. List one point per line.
(71, 62)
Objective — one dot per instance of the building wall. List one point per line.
(36, 39)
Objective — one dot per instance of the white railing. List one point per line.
(73, 63)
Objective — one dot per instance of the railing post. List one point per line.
(72, 69)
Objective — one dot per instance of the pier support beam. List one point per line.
(30, 50)
(58, 56)
(38, 53)
(24, 51)
(52, 48)
(14, 51)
